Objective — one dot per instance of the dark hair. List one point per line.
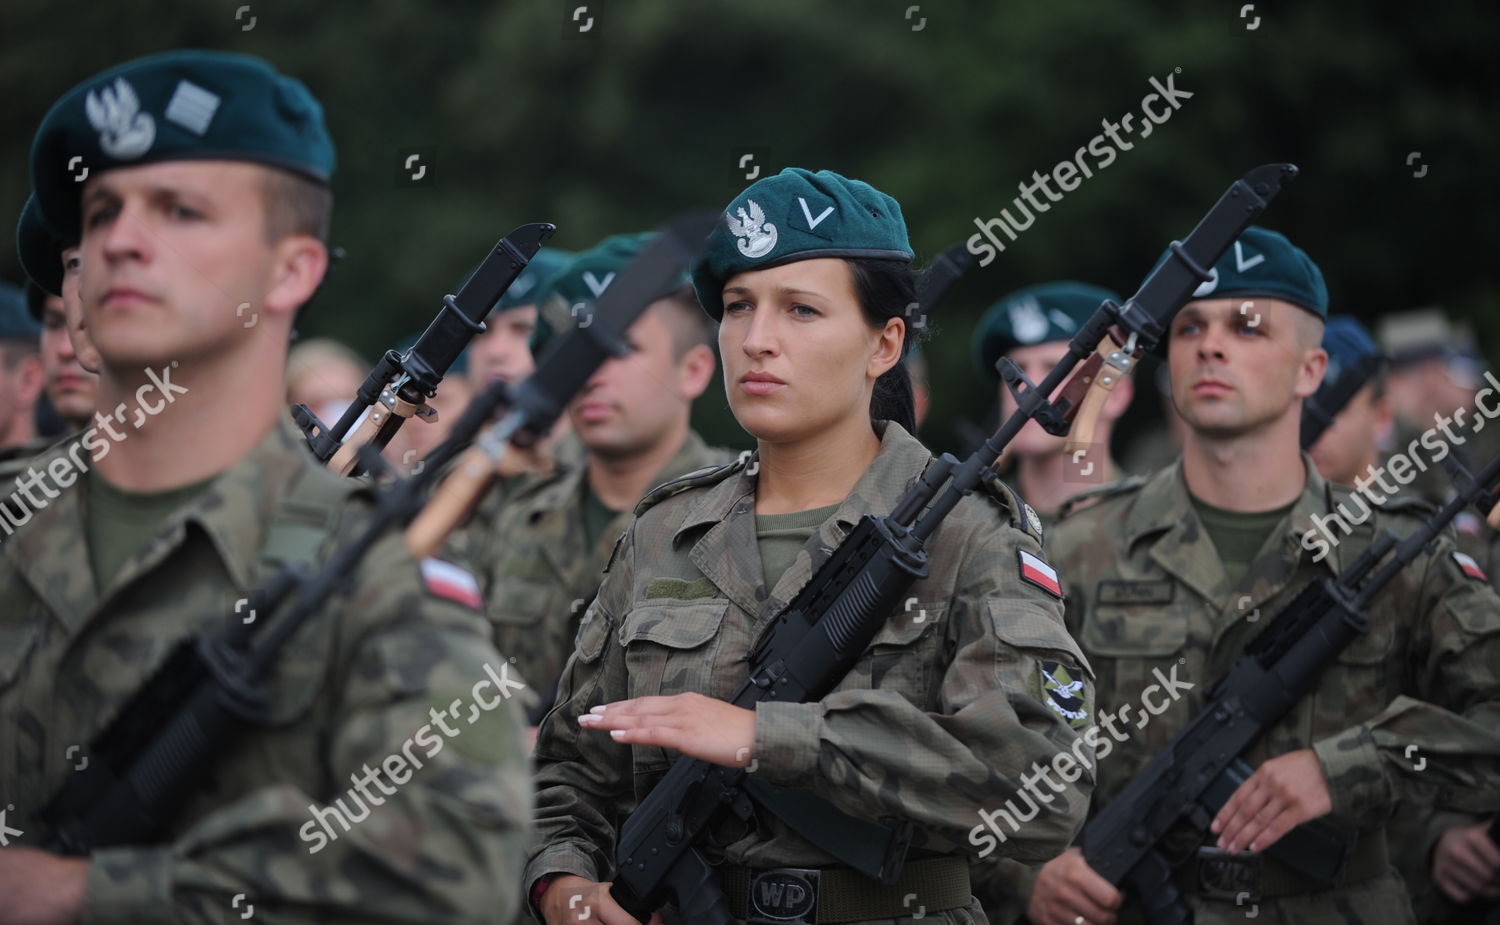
(689, 323)
(888, 289)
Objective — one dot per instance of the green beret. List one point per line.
(16, 322)
(584, 279)
(798, 215)
(1034, 315)
(1264, 263)
(40, 248)
(181, 105)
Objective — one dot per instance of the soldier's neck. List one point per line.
(19, 430)
(1046, 481)
(166, 427)
(814, 472)
(621, 481)
(1249, 473)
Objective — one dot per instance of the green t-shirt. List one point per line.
(780, 536)
(597, 516)
(1238, 535)
(119, 523)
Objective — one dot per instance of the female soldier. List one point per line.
(944, 713)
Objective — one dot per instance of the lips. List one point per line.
(124, 296)
(761, 383)
(1209, 386)
(591, 412)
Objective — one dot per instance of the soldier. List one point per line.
(207, 189)
(811, 276)
(1178, 573)
(1350, 447)
(53, 267)
(542, 559)
(70, 387)
(1032, 326)
(21, 379)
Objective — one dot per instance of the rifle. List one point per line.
(402, 383)
(1189, 780)
(211, 689)
(821, 633)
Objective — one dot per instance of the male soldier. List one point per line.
(544, 556)
(1350, 445)
(1174, 575)
(44, 255)
(21, 380)
(1032, 326)
(207, 189)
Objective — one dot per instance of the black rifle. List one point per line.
(403, 382)
(821, 633)
(1332, 395)
(210, 690)
(1180, 790)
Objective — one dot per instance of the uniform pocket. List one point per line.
(670, 649)
(901, 656)
(515, 603)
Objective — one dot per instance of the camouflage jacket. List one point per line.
(1148, 598)
(538, 571)
(14, 460)
(937, 720)
(350, 690)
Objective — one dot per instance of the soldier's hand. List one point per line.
(572, 900)
(698, 726)
(1068, 888)
(1282, 793)
(1466, 864)
(37, 888)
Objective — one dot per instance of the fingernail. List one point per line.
(1215, 827)
(586, 718)
(617, 733)
(1252, 847)
(1219, 844)
(598, 709)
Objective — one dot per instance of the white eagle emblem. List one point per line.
(1027, 322)
(124, 131)
(756, 235)
(1065, 699)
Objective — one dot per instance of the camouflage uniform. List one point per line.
(956, 718)
(354, 685)
(538, 573)
(15, 459)
(1147, 594)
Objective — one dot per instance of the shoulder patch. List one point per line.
(1021, 514)
(455, 583)
(1089, 497)
(1469, 566)
(1036, 571)
(708, 475)
(1064, 695)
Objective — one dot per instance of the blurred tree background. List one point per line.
(524, 116)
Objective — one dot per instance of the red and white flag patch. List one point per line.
(447, 580)
(1039, 573)
(1470, 567)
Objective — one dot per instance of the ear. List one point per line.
(31, 381)
(298, 263)
(1310, 371)
(887, 350)
(695, 371)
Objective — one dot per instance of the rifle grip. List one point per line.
(1158, 894)
(700, 898)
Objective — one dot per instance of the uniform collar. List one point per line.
(232, 513)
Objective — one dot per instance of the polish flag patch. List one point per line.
(1039, 573)
(1470, 567)
(447, 580)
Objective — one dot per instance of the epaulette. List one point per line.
(1022, 515)
(1088, 498)
(708, 475)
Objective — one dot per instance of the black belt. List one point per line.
(1245, 878)
(806, 896)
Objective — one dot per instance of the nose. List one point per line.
(125, 238)
(1211, 344)
(760, 334)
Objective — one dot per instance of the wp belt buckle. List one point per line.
(1233, 877)
(784, 896)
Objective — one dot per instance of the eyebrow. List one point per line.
(779, 290)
